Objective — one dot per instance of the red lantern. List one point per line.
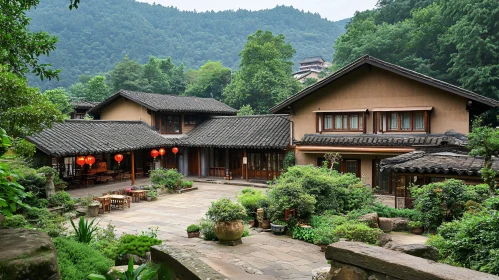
(90, 160)
(154, 153)
(118, 158)
(80, 161)
(175, 150)
(162, 152)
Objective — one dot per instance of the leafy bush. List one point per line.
(77, 260)
(415, 224)
(445, 201)
(245, 231)
(208, 229)
(168, 178)
(289, 160)
(383, 211)
(252, 199)
(186, 184)
(62, 198)
(332, 190)
(35, 201)
(327, 220)
(85, 231)
(290, 196)
(224, 210)
(105, 242)
(37, 213)
(143, 272)
(137, 244)
(307, 234)
(59, 184)
(193, 228)
(32, 182)
(357, 232)
(14, 221)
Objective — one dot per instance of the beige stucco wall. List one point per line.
(375, 88)
(123, 109)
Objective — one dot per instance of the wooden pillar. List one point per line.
(246, 165)
(199, 162)
(133, 168)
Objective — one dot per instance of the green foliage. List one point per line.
(143, 272)
(168, 178)
(59, 97)
(306, 234)
(105, 242)
(327, 219)
(358, 232)
(136, 244)
(152, 194)
(85, 231)
(445, 201)
(23, 148)
(252, 199)
(290, 195)
(61, 198)
(224, 210)
(309, 81)
(264, 76)
(12, 194)
(245, 110)
(331, 190)
(14, 221)
(289, 160)
(4, 142)
(415, 224)
(209, 81)
(383, 211)
(208, 229)
(96, 89)
(186, 184)
(77, 260)
(59, 184)
(279, 223)
(193, 228)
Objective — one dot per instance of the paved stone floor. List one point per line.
(261, 256)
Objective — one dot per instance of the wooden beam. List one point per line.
(246, 165)
(133, 168)
(355, 149)
(199, 162)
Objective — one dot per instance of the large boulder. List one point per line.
(370, 219)
(385, 224)
(27, 254)
(393, 224)
(123, 260)
(321, 273)
(342, 271)
(418, 250)
(384, 239)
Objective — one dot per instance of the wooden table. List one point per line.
(138, 194)
(118, 200)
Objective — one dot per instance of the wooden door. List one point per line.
(193, 161)
(236, 163)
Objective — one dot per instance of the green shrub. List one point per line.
(445, 201)
(246, 231)
(14, 221)
(289, 160)
(186, 184)
(62, 198)
(307, 234)
(383, 211)
(193, 228)
(327, 220)
(136, 244)
(357, 232)
(415, 224)
(224, 210)
(85, 231)
(37, 213)
(325, 236)
(105, 242)
(331, 190)
(290, 196)
(59, 184)
(208, 229)
(77, 260)
(35, 201)
(168, 178)
(252, 199)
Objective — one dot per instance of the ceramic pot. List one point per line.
(193, 234)
(278, 229)
(417, 231)
(229, 231)
(265, 224)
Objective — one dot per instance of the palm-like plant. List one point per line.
(85, 230)
(143, 272)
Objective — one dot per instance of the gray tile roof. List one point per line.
(260, 132)
(83, 137)
(83, 104)
(389, 67)
(170, 103)
(311, 59)
(450, 138)
(437, 162)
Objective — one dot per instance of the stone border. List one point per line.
(187, 190)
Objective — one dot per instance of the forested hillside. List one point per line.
(452, 40)
(96, 36)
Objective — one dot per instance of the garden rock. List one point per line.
(393, 224)
(385, 224)
(341, 271)
(116, 271)
(25, 253)
(136, 259)
(371, 219)
(321, 273)
(418, 250)
(384, 239)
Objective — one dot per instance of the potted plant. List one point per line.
(186, 184)
(278, 227)
(151, 195)
(416, 227)
(193, 231)
(227, 216)
(250, 220)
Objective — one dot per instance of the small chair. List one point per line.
(105, 204)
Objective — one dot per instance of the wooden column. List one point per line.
(199, 162)
(133, 168)
(246, 165)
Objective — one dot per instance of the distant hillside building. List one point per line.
(310, 67)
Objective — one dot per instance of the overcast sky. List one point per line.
(330, 9)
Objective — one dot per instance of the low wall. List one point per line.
(356, 261)
(181, 264)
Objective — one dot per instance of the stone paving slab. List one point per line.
(261, 256)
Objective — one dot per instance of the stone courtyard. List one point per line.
(261, 256)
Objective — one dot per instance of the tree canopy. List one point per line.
(209, 81)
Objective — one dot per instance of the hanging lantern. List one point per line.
(162, 152)
(175, 150)
(154, 153)
(90, 160)
(80, 161)
(118, 158)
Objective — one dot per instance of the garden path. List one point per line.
(261, 256)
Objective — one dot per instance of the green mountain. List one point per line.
(94, 37)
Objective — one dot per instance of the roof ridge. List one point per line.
(168, 94)
(250, 116)
(103, 121)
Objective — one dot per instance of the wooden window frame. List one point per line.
(190, 118)
(387, 121)
(361, 118)
(343, 165)
(159, 126)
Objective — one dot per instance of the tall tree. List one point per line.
(209, 81)
(157, 80)
(59, 97)
(264, 76)
(128, 74)
(96, 89)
